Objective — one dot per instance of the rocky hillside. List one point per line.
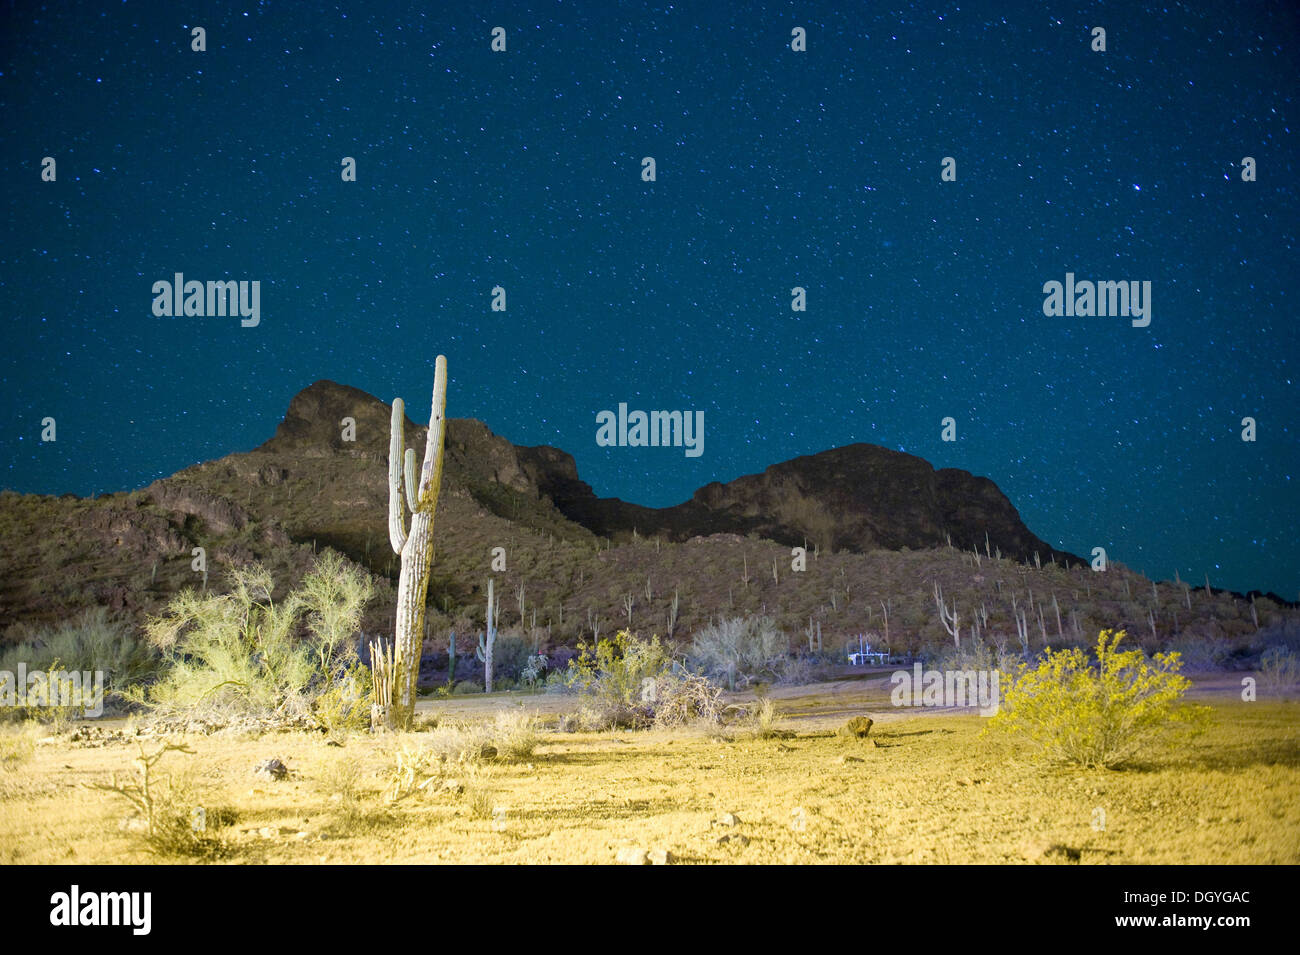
(878, 525)
(857, 498)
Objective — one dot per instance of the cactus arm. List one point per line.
(412, 484)
(396, 510)
(480, 653)
(431, 472)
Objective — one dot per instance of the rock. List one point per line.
(632, 857)
(660, 857)
(737, 838)
(453, 786)
(728, 819)
(488, 752)
(856, 728)
(843, 760)
(271, 770)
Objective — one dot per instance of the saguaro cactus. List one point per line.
(451, 659)
(415, 547)
(484, 651)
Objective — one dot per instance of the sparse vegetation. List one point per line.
(242, 653)
(1279, 670)
(740, 650)
(515, 735)
(617, 680)
(17, 747)
(933, 790)
(1097, 717)
(92, 641)
(168, 818)
(762, 718)
(339, 779)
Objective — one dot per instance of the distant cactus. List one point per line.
(451, 659)
(484, 651)
(414, 547)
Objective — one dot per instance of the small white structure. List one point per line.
(865, 656)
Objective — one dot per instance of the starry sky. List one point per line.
(775, 169)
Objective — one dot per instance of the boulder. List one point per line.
(856, 728)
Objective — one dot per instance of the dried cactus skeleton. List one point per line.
(414, 546)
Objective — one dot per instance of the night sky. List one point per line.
(775, 169)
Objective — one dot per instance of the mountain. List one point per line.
(857, 498)
(877, 524)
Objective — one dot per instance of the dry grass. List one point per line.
(931, 790)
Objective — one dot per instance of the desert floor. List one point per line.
(925, 787)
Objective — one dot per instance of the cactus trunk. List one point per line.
(414, 547)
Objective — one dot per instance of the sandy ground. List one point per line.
(928, 786)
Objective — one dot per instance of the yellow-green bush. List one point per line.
(617, 681)
(1098, 715)
(244, 653)
(344, 705)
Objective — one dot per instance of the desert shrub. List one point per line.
(798, 670)
(683, 699)
(343, 706)
(413, 765)
(241, 653)
(411, 770)
(168, 817)
(93, 641)
(630, 682)
(510, 655)
(54, 698)
(565, 680)
(515, 734)
(763, 718)
(17, 747)
(480, 796)
(1279, 669)
(1098, 716)
(1202, 653)
(740, 650)
(617, 681)
(973, 655)
(463, 742)
(534, 671)
(340, 781)
(466, 687)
